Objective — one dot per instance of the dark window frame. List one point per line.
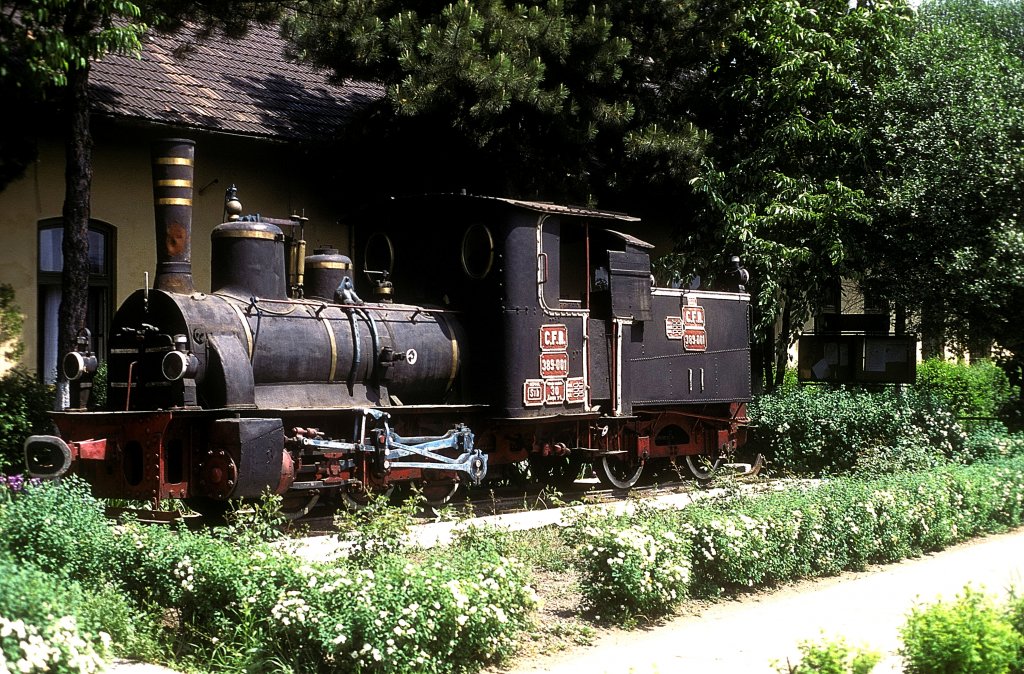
(102, 285)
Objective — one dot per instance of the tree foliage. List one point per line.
(45, 40)
(561, 98)
(781, 183)
(761, 105)
(947, 230)
(42, 44)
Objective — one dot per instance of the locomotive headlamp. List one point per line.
(742, 275)
(179, 363)
(77, 364)
(81, 361)
(176, 365)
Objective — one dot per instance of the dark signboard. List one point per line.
(847, 359)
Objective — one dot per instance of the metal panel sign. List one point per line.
(674, 327)
(555, 386)
(554, 364)
(695, 337)
(554, 337)
(533, 392)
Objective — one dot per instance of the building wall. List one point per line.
(273, 179)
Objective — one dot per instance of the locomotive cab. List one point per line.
(570, 346)
(520, 274)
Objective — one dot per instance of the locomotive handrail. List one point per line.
(685, 354)
(303, 301)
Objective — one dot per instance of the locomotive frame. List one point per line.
(526, 332)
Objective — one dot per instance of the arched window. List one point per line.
(101, 288)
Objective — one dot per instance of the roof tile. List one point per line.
(241, 86)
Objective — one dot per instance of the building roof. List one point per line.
(243, 86)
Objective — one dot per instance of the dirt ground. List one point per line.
(749, 634)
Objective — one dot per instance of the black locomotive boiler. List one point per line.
(476, 336)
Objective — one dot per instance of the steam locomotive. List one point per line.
(483, 339)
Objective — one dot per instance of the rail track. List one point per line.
(483, 501)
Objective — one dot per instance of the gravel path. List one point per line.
(747, 635)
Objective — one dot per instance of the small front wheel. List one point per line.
(619, 473)
(701, 466)
(298, 504)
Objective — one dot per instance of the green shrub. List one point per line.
(818, 431)
(634, 569)
(28, 594)
(1015, 614)
(242, 605)
(199, 574)
(991, 440)
(821, 431)
(58, 647)
(980, 389)
(969, 635)
(457, 609)
(58, 527)
(831, 656)
(50, 625)
(740, 543)
(378, 528)
(24, 405)
(36, 580)
(733, 551)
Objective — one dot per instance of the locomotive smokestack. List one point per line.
(173, 160)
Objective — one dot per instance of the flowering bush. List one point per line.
(731, 552)
(60, 528)
(453, 610)
(631, 569)
(57, 648)
(458, 609)
(209, 585)
(47, 624)
(376, 529)
(740, 543)
(237, 603)
(991, 440)
(12, 485)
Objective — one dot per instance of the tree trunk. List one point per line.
(71, 315)
(782, 347)
(933, 338)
